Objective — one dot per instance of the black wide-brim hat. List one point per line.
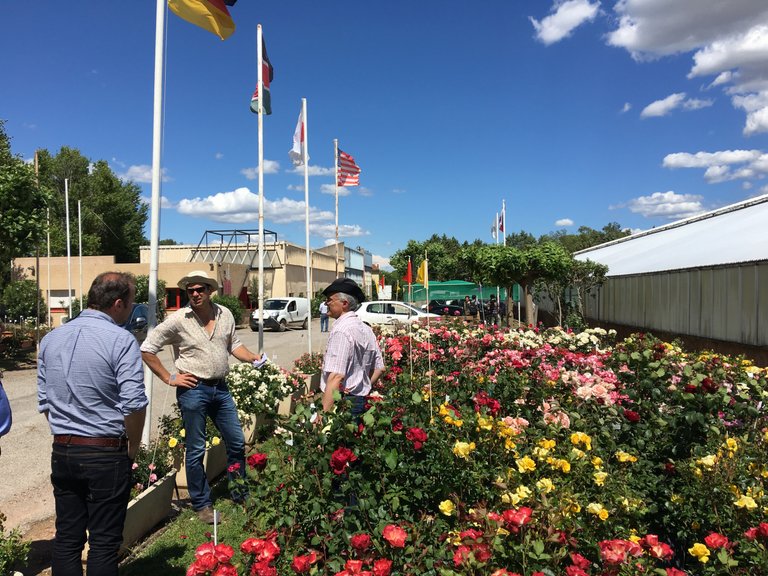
(345, 286)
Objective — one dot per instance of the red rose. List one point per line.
(632, 416)
(223, 552)
(751, 534)
(580, 561)
(715, 540)
(360, 542)
(762, 530)
(417, 436)
(394, 535)
(225, 570)
(517, 518)
(263, 569)
(232, 468)
(257, 460)
(340, 459)
(382, 567)
(575, 571)
(675, 572)
(302, 564)
(397, 424)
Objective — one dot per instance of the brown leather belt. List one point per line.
(69, 439)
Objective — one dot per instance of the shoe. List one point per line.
(206, 515)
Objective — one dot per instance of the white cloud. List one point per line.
(328, 231)
(382, 262)
(296, 187)
(668, 205)
(331, 189)
(567, 16)
(696, 104)
(564, 222)
(313, 170)
(270, 167)
(164, 201)
(729, 40)
(142, 174)
(664, 106)
(398, 190)
(724, 165)
(242, 205)
(218, 155)
(626, 108)
(363, 191)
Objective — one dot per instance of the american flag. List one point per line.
(349, 172)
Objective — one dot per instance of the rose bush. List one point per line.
(526, 452)
(258, 390)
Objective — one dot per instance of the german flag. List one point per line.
(211, 15)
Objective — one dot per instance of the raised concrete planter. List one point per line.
(148, 509)
(214, 461)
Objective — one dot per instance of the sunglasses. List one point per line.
(200, 290)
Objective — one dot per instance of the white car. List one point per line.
(389, 312)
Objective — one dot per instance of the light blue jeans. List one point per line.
(196, 404)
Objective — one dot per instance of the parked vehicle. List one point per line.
(280, 313)
(389, 312)
(447, 307)
(138, 322)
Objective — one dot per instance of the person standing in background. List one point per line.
(6, 417)
(323, 316)
(90, 386)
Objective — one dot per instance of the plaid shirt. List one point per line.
(352, 352)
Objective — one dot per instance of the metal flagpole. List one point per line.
(69, 254)
(48, 299)
(80, 250)
(154, 226)
(336, 194)
(260, 80)
(497, 243)
(305, 158)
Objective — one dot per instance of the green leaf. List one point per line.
(416, 398)
(391, 459)
(368, 419)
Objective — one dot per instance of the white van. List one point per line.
(280, 313)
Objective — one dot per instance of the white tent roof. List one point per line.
(736, 233)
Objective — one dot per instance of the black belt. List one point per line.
(211, 381)
(70, 440)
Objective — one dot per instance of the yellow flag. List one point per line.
(422, 274)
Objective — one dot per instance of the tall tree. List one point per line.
(113, 214)
(22, 207)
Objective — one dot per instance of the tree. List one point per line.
(586, 237)
(22, 207)
(442, 252)
(21, 301)
(113, 214)
(142, 293)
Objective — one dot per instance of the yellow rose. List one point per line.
(182, 433)
(600, 478)
(463, 449)
(625, 456)
(746, 502)
(597, 462)
(700, 551)
(510, 498)
(545, 485)
(603, 514)
(525, 464)
(173, 442)
(446, 507)
(595, 508)
(523, 492)
(708, 461)
(215, 441)
(547, 444)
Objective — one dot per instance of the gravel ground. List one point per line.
(26, 496)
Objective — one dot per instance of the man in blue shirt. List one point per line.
(90, 386)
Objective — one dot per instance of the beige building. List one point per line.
(235, 266)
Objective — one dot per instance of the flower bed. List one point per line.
(522, 453)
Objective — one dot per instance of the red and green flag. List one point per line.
(267, 73)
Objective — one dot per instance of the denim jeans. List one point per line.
(323, 322)
(196, 404)
(91, 487)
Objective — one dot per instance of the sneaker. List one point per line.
(206, 515)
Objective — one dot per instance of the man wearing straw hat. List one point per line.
(202, 336)
(352, 362)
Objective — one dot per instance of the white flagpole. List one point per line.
(48, 224)
(154, 226)
(504, 222)
(80, 250)
(336, 194)
(69, 254)
(259, 57)
(305, 158)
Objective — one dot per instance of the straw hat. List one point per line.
(198, 277)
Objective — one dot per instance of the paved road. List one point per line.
(25, 490)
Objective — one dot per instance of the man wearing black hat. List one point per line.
(352, 361)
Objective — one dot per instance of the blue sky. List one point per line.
(576, 113)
